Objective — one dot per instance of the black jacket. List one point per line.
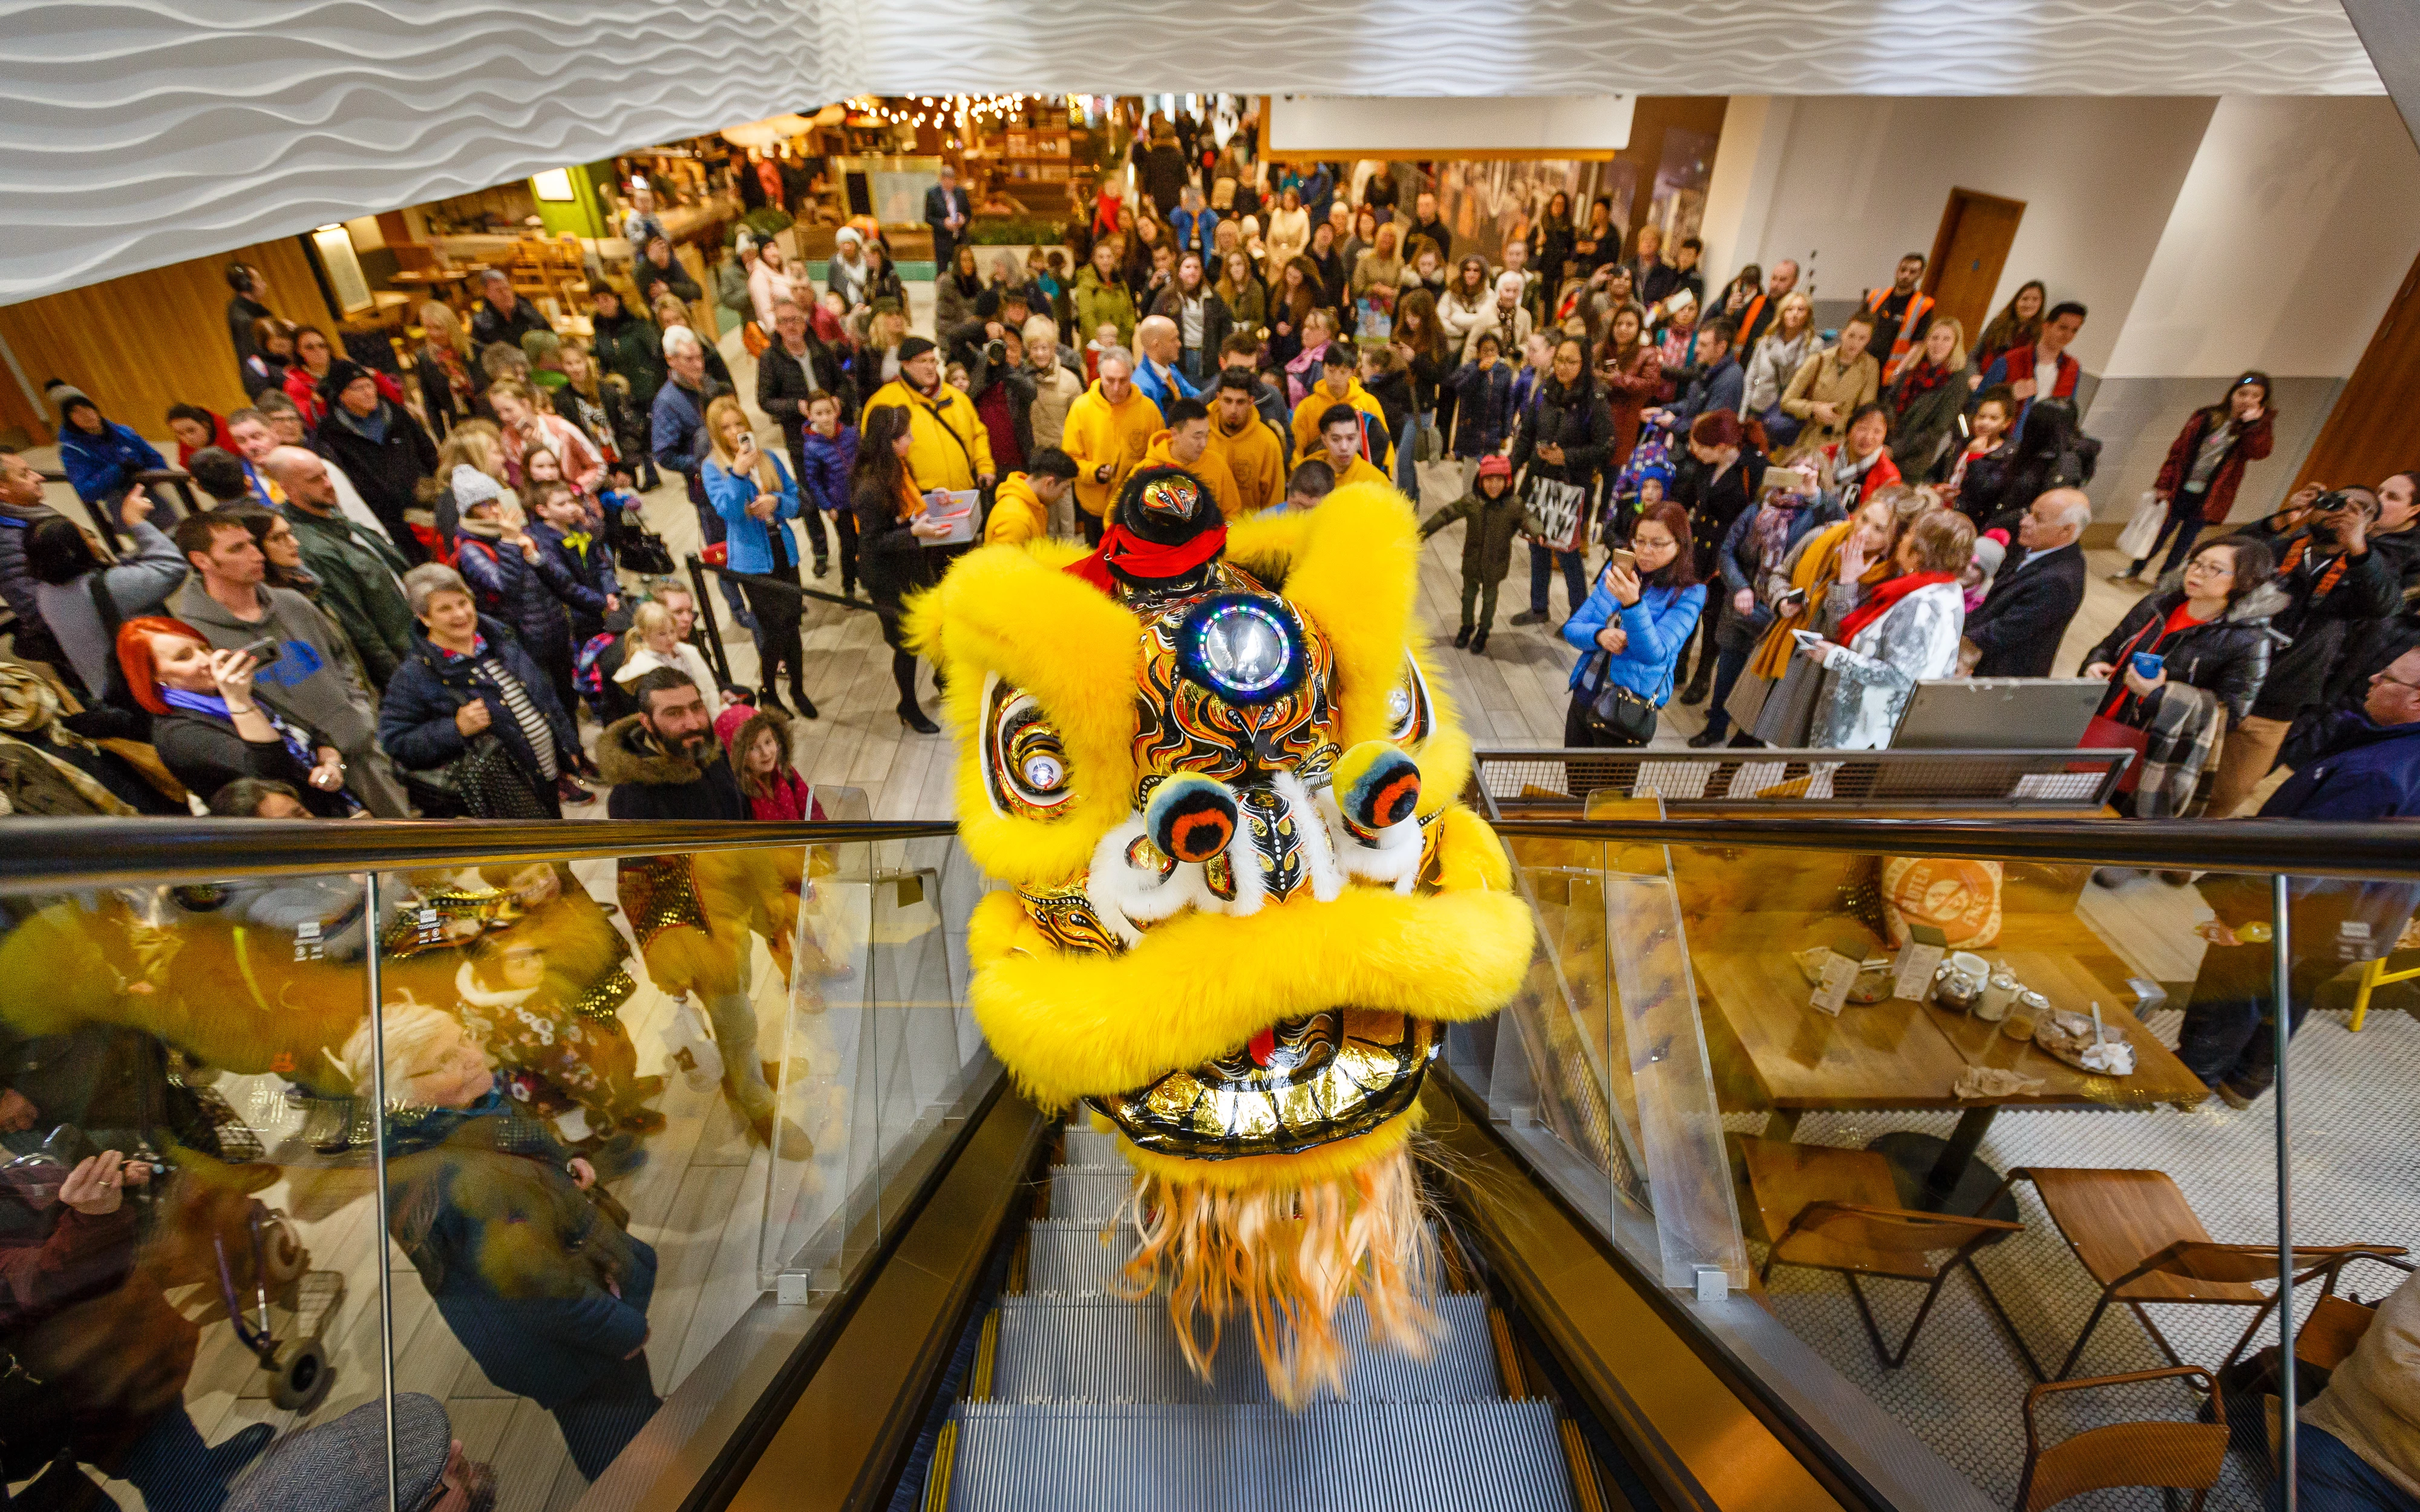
(645, 276)
(2018, 625)
(2322, 604)
(891, 562)
(488, 328)
(526, 596)
(582, 579)
(1713, 505)
(631, 346)
(207, 754)
(416, 716)
(1578, 420)
(652, 783)
(1165, 173)
(386, 472)
(1217, 320)
(783, 382)
(2228, 657)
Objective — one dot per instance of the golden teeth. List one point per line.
(1322, 1077)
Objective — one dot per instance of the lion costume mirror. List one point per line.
(1222, 785)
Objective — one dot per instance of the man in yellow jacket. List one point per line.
(1110, 427)
(1337, 385)
(950, 449)
(1020, 512)
(1340, 439)
(1186, 444)
(1242, 440)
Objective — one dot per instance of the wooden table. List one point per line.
(1897, 1054)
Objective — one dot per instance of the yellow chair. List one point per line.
(2374, 975)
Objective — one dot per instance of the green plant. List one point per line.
(1016, 232)
(768, 222)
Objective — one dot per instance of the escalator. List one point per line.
(1078, 1397)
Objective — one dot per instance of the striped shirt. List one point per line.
(525, 712)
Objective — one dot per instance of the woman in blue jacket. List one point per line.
(102, 456)
(757, 499)
(1634, 625)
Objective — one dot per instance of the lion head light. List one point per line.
(1221, 782)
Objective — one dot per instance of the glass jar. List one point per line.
(1998, 992)
(2029, 1009)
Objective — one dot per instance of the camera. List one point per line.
(994, 352)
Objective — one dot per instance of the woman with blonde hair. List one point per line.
(671, 311)
(655, 642)
(1381, 267)
(442, 365)
(526, 421)
(876, 362)
(1925, 401)
(1784, 345)
(756, 498)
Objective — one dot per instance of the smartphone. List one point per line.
(1806, 638)
(1624, 560)
(1793, 600)
(262, 651)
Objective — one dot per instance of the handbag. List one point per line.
(1551, 511)
(2105, 734)
(1618, 715)
(2142, 531)
(751, 336)
(1780, 427)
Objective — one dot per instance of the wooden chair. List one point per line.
(1837, 1209)
(2142, 1242)
(2185, 1457)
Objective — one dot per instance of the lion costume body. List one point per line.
(1245, 898)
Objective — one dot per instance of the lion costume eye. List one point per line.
(1026, 767)
(1409, 714)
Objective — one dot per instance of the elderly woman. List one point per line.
(467, 677)
(208, 727)
(1895, 634)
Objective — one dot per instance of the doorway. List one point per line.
(2369, 433)
(1967, 254)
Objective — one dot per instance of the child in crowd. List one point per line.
(579, 564)
(1989, 551)
(655, 642)
(1482, 410)
(1104, 337)
(1492, 517)
(1309, 482)
(758, 743)
(826, 455)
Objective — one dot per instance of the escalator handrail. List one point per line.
(87, 853)
(2385, 852)
(80, 853)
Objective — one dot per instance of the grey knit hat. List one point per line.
(340, 1466)
(66, 396)
(473, 486)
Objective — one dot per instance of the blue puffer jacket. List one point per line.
(526, 595)
(102, 466)
(1658, 627)
(829, 461)
(416, 725)
(750, 538)
(581, 575)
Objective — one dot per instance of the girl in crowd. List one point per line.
(1716, 485)
(466, 677)
(2015, 326)
(2211, 632)
(1853, 468)
(1779, 353)
(311, 356)
(877, 359)
(655, 640)
(1565, 434)
(1552, 239)
(1419, 343)
(1291, 305)
(770, 283)
(757, 499)
(1462, 308)
(1289, 232)
(1892, 636)
(628, 347)
(1332, 272)
(956, 291)
(599, 409)
(443, 368)
(1240, 288)
(758, 743)
(1631, 633)
(891, 530)
(195, 428)
(272, 353)
(2205, 465)
(1977, 481)
(1632, 370)
(526, 422)
(1361, 236)
(1595, 241)
(1924, 404)
(208, 727)
(1101, 297)
(1831, 387)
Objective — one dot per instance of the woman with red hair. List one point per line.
(207, 726)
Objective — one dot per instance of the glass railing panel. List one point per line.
(188, 1207)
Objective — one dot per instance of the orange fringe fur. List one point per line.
(1288, 1259)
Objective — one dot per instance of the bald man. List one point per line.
(360, 572)
(2015, 631)
(1157, 344)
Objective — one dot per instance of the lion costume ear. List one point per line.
(1007, 614)
(1353, 564)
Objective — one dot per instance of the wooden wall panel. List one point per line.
(144, 342)
(2369, 433)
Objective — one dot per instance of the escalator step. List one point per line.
(1090, 1147)
(1502, 1456)
(1068, 1260)
(1053, 1350)
(1089, 1194)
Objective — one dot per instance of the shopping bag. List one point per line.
(2142, 531)
(2104, 734)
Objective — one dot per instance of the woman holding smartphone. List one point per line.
(1631, 632)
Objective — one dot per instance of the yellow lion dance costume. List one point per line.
(1222, 782)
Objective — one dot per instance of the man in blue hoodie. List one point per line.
(2367, 769)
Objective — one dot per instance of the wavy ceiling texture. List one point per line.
(137, 132)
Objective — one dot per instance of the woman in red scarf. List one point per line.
(1901, 632)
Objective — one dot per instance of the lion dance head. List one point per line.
(1222, 780)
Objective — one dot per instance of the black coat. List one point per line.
(938, 205)
(1713, 505)
(2228, 657)
(1578, 420)
(1986, 492)
(1217, 322)
(783, 382)
(2321, 606)
(488, 328)
(207, 754)
(891, 562)
(649, 783)
(386, 472)
(2018, 625)
(416, 715)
